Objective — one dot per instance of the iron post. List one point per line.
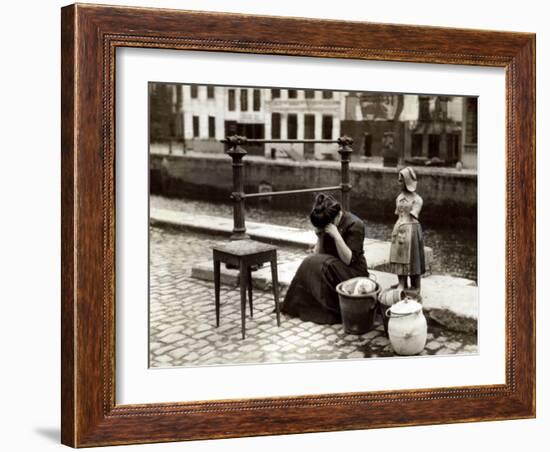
(237, 153)
(345, 151)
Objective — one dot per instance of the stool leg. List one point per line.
(249, 274)
(275, 284)
(217, 290)
(243, 276)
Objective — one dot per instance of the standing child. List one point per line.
(407, 245)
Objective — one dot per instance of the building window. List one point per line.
(230, 128)
(244, 100)
(471, 121)
(416, 145)
(292, 126)
(452, 147)
(275, 93)
(194, 91)
(211, 127)
(309, 94)
(292, 93)
(253, 131)
(195, 126)
(309, 127)
(327, 94)
(367, 144)
(424, 108)
(276, 126)
(257, 100)
(231, 100)
(433, 145)
(210, 92)
(327, 127)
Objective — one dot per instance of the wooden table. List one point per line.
(243, 254)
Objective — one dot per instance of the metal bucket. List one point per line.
(358, 310)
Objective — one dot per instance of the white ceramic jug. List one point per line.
(407, 327)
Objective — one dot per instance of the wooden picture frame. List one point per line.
(90, 36)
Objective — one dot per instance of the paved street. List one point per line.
(182, 318)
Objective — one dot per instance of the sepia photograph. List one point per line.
(290, 225)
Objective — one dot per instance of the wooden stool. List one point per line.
(243, 254)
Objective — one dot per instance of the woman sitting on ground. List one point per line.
(338, 256)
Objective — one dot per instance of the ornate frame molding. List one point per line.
(90, 37)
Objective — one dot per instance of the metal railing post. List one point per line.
(345, 151)
(237, 153)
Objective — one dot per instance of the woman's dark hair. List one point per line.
(325, 209)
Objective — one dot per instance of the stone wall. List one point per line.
(450, 196)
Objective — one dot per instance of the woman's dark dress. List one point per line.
(312, 293)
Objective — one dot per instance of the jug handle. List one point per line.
(390, 315)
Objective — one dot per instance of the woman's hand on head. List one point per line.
(332, 230)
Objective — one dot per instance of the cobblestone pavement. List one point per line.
(182, 318)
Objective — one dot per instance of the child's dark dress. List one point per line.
(312, 293)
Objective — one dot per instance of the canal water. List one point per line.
(454, 249)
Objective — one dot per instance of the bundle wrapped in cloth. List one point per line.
(359, 286)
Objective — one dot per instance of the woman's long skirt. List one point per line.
(312, 293)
